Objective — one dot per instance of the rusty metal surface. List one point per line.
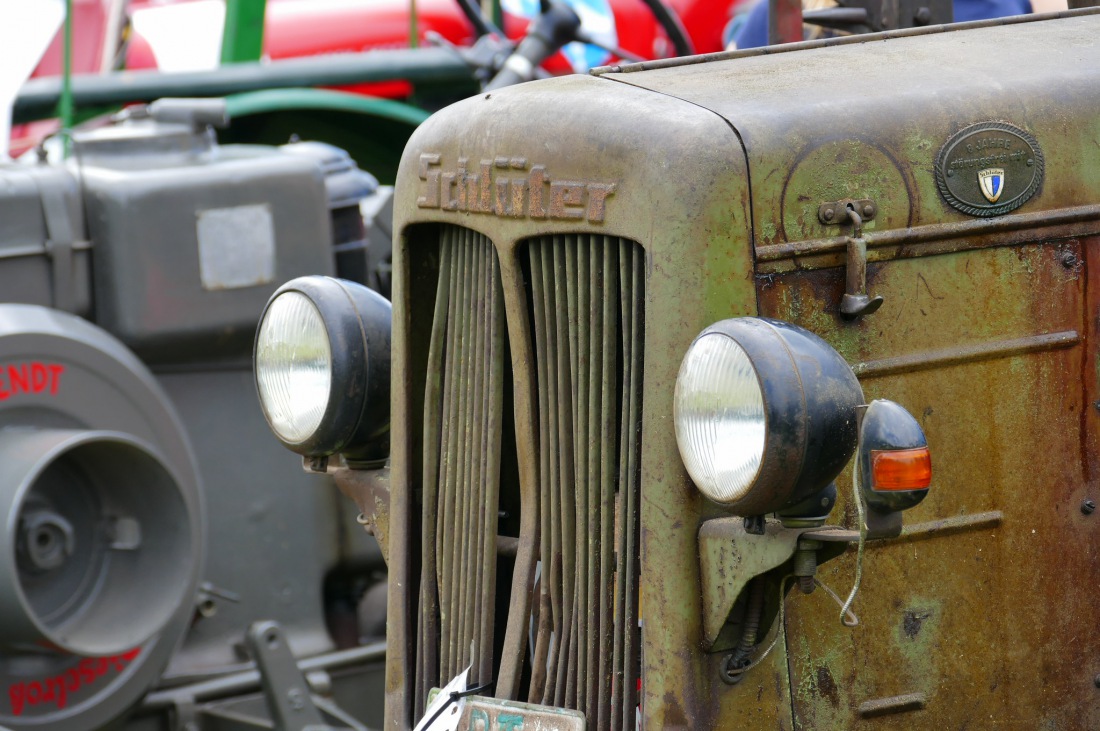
(983, 617)
(370, 491)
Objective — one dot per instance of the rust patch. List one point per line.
(913, 621)
(674, 713)
(826, 686)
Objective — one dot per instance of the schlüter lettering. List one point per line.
(495, 189)
(29, 378)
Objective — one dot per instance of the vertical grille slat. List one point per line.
(609, 385)
(468, 486)
(566, 301)
(584, 313)
(583, 479)
(633, 302)
(545, 657)
(489, 506)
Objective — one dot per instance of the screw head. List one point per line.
(1069, 260)
(1087, 508)
(829, 214)
(868, 211)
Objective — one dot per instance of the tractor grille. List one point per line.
(584, 316)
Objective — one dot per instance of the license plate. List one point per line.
(490, 714)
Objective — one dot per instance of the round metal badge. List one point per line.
(989, 168)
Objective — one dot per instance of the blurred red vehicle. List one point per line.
(186, 35)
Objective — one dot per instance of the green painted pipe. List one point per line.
(276, 100)
(422, 67)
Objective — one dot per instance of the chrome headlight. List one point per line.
(765, 414)
(322, 367)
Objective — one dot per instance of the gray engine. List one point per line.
(149, 520)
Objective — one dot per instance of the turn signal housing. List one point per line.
(894, 460)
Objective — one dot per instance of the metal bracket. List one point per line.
(856, 302)
(285, 689)
(835, 213)
(60, 241)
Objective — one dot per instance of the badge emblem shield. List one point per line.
(992, 181)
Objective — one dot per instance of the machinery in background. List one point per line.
(161, 561)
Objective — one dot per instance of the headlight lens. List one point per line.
(720, 423)
(293, 367)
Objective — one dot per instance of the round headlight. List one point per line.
(764, 413)
(322, 367)
(293, 367)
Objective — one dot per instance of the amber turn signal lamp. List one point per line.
(895, 466)
(901, 469)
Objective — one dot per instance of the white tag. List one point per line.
(448, 720)
(236, 246)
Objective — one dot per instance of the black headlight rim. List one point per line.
(341, 308)
(792, 412)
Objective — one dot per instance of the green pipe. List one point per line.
(440, 67)
(277, 100)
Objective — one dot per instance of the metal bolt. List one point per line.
(1088, 507)
(46, 540)
(1096, 681)
(923, 16)
(805, 565)
(829, 214)
(868, 211)
(1069, 260)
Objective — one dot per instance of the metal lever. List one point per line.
(856, 302)
(285, 689)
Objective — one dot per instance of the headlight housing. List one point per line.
(322, 368)
(765, 414)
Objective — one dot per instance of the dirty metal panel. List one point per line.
(984, 625)
(811, 139)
